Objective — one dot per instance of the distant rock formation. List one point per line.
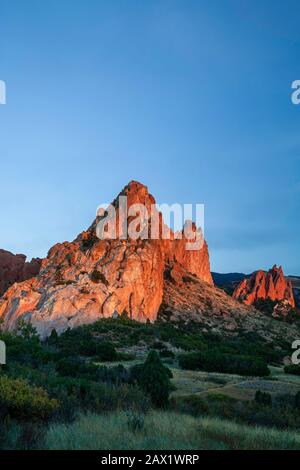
(265, 285)
(14, 268)
(84, 280)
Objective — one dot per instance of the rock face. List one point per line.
(189, 298)
(84, 280)
(265, 285)
(14, 268)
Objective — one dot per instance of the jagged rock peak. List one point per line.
(265, 285)
(84, 280)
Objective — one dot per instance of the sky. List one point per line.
(192, 98)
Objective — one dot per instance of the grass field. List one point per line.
(165, 430)
(235, 386)
(187, 382)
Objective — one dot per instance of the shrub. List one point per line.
(297, 401)
(154, 378)
(263, 398)
(114, 375)
(158, 345)
(106, 351)
(23, 401)
(292, 369)
(75, 367)
(191, 404)
(97, 277)
(166, 353)
(215, 361)
(265, 305)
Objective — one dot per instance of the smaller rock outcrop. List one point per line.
(14, 268)
(265, 285)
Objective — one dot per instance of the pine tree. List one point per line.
(154, 379)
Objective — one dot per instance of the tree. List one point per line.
(27, 330)
(263, 398)
(53, 338)
(154, 379)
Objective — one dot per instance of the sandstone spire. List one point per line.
(88, 278)
(265, 285)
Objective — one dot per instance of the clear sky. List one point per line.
(192, 98)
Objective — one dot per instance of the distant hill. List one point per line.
(228, 281)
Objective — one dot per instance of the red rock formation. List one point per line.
(265, 285)
(89, 278)
(14, 268)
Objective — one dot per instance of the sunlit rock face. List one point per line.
(265, 285)
(84, 280)
(14, 268)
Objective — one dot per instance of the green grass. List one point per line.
(165, 430)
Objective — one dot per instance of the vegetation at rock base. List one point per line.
(121, 371)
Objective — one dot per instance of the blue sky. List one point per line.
(192, 98)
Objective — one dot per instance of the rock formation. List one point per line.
(265, 285)
(14, 268)
(84, 280)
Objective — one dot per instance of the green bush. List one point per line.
(263, 398)
(75, 367)
(106, 351)
(190, 404)
(265, 305)
(215, 361)
(154, 379)
(297, 401)
(97, 277)
(292, 369)
(23, 401)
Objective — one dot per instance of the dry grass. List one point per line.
(165, 430)
(235, 386)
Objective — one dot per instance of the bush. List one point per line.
(215, 361)
(265, 305)
(190, 404)
(106, 351)
(292, 369)
(263, 398)
(166, 353)
(115, 375)
(75, 367)
(23, 401)
(297, 401)
(97, 277)
(154, 378)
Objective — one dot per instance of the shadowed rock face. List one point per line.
(84, 280)
(264, 285)
(14, 268)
